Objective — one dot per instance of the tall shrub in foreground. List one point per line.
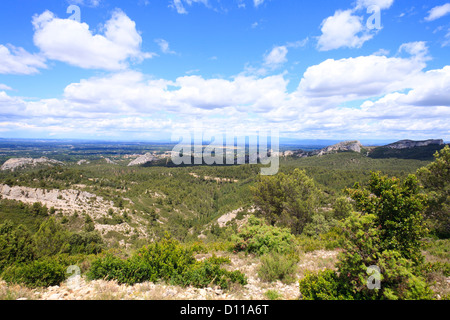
(436, 179)
(257, 237)
(381, 255)
(16, 245)
(288, 200)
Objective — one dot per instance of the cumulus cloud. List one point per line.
(346, 29)
(72, 42)
(341, 30)
(130, 92)
(364, 76)
(18, 61)
(438, 12)
(367, 96)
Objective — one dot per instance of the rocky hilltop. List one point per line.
(70, 201)
(146, 158)
(407, 144)
(16, 163)
(354, 146)
(344, 146)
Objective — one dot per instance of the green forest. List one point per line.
(387, 217)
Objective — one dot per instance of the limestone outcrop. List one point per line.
(407, 144)
(146, 158)
(16, 163)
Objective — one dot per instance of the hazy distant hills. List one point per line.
(403, 149)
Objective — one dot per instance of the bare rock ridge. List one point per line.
(407, 144)
(354, 146)
(109, 161)
(16, 163)
(146, 158)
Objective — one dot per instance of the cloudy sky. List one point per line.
(141, 69)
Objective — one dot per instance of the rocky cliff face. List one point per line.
(406, 144)
(148, 157)
(70, 201)
(16, 163)
(354, 146)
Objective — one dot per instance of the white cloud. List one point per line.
(446, 42)
(164, 46)
(276, 57)
(257, 3)
(88, 3)
(367, 96)
(431, 89)
(363, 76)
(341, 30)
(417, 49)
(4, 87)
(382, 4)
(438, 12)
(18, 61)
(129, 92)
(179, 6)
(72, 42)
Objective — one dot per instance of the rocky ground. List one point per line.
(78, 288)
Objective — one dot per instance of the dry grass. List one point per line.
(107, 290)
(15, 292)
(316, 261)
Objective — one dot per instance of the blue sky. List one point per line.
(142, 69)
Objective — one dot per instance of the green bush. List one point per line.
(288, 200)
(273, 295)
(436, 179)
(275, 266)
(16, 245)
(165, 260)
(38, 273)
(321, 223)
(386, 236)
(85, 242)
(342, 208)
(398, 208)
(259, 238)
(51, 238)
(365, 246)
(324, 285)
(210, 272)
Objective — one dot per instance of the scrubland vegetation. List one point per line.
(389, 213)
